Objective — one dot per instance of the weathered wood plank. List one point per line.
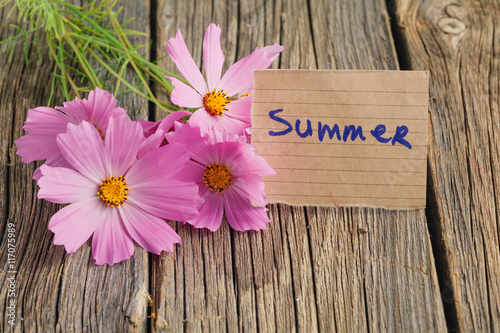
(194, 287)
(458, 42)
(377, 264)
(314, 268)
(343, 269)
(56, 291)
(19, 88)
(241, 287)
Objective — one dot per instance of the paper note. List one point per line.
(343, 138)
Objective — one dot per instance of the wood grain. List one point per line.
(314, 269)
(56, 291)
(458, 42)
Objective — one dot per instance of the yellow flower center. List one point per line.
(113, 191)
(100, 133)
(217, 178)
(215, 102)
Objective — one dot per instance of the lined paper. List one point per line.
(343, 171)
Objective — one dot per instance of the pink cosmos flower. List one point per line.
(44, 124)
(223, 102)
(114, 196)
(228, 173)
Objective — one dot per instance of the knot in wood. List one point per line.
(451, 25)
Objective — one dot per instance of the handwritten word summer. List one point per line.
(355, 132)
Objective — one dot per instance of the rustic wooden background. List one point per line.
(315, 268)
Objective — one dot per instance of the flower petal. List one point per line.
(32, 147)
(177, 49)
(58, 161)
(101, 106)
(150, 232)
(43, 125)
(170, 199)
(183, 95)
(37, 174)
(272, 52)
(146, 124)
(211, 210)
(213, 58)
(75, 110)
(97, 109)
(240, 75)
(254, 163)
(241, 214)
(161, 164)
(62, 185)
(233, 125)
(226, 153)
(209, 148)
(121, 144)
(111, 242)
(240, 109)
(168, 122)
(195, 142)
(204, 120)
(148, 127)
(151, 143)
(191, 172)
(83, 148)
(251, 186)
(74, 224)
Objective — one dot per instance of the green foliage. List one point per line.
(40, 13)
(86, 35)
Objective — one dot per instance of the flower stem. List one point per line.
(162, 106)
(72, 31)
(62, 67)
(126, 45)
(83, 62)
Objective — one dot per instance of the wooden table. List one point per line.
(315, 268)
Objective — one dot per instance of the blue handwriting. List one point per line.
(353, 131)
